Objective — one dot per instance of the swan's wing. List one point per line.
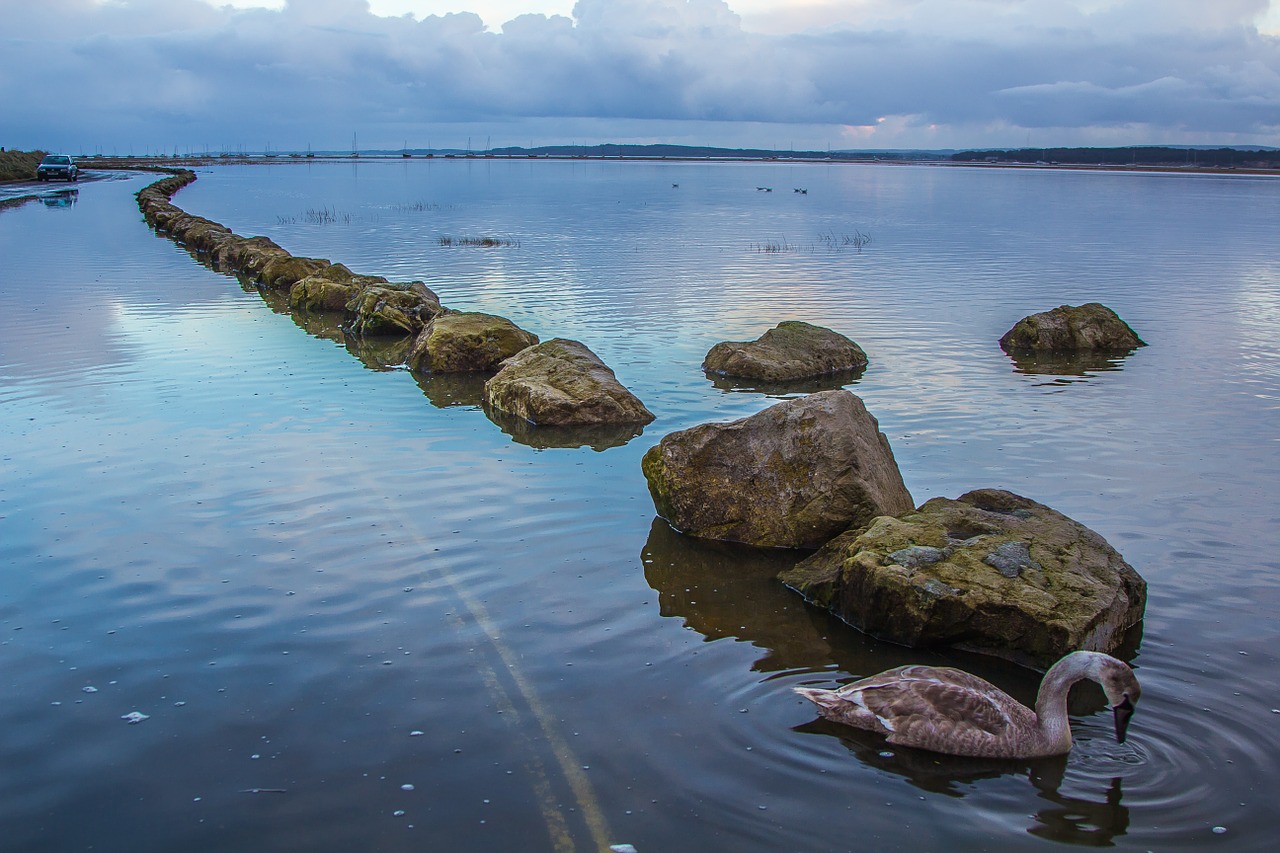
(935, 708)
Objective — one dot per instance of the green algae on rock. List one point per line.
(990, 572)
(792, 476)
(1066, 329)
(392, 309)
(790, 351)
(462, 341)
(283, 273)
(563, 383)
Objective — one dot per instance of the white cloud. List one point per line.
(924, 72)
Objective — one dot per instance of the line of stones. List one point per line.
(555, 383)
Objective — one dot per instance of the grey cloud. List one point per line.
(185, 71)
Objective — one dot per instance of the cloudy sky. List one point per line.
(142, 76)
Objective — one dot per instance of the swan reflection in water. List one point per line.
(1072, 819)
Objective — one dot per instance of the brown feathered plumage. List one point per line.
(948, 710)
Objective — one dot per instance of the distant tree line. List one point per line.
(1131, 156)
(700, 152)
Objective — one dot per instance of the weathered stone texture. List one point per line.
(991, 572)
(562, 383)
(790, 351)
(794, 475)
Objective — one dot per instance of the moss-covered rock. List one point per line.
(316, 293)
(793, 476)
(562, 383)
(331, 288)
(991, 572)
(392, 309)
(460, 341)
(1068, 329)
(282, 273)
(198, 233)
(790, 351)
(246, 255)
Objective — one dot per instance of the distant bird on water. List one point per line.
(802, 192)
(947, 710)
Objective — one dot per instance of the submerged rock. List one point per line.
(794, 476)
(461, 341)
(991, 572)
(562, 383)
(792, 350)
(1068, 329)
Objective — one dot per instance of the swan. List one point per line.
(947, 710)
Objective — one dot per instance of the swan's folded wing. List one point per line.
(938, 713)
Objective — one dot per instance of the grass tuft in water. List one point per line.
(321, 216)
(481, 242)
(856, 240)
(774, 246)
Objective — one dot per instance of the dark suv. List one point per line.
(57, 166)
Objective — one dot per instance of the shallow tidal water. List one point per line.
(359, 615)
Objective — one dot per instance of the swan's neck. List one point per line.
(1051, 702)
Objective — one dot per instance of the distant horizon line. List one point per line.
(754, 151)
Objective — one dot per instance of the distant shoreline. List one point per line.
(153, 163)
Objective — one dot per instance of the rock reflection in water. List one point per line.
(598, 437)
(374, 352)
(379, 353)
(1067, 819)
(446, 390)
(1072, 367)
(723, 589)
(826, 382)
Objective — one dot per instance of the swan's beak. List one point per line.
(1123, 712)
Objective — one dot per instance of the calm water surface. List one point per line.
(361, 616)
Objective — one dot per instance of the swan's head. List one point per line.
(1122, 689)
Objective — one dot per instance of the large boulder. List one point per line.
(792, 350)
(1068, 329)
(795, 475)
(461, 341)
(562, 383)
(991, 572)
(392, 309)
